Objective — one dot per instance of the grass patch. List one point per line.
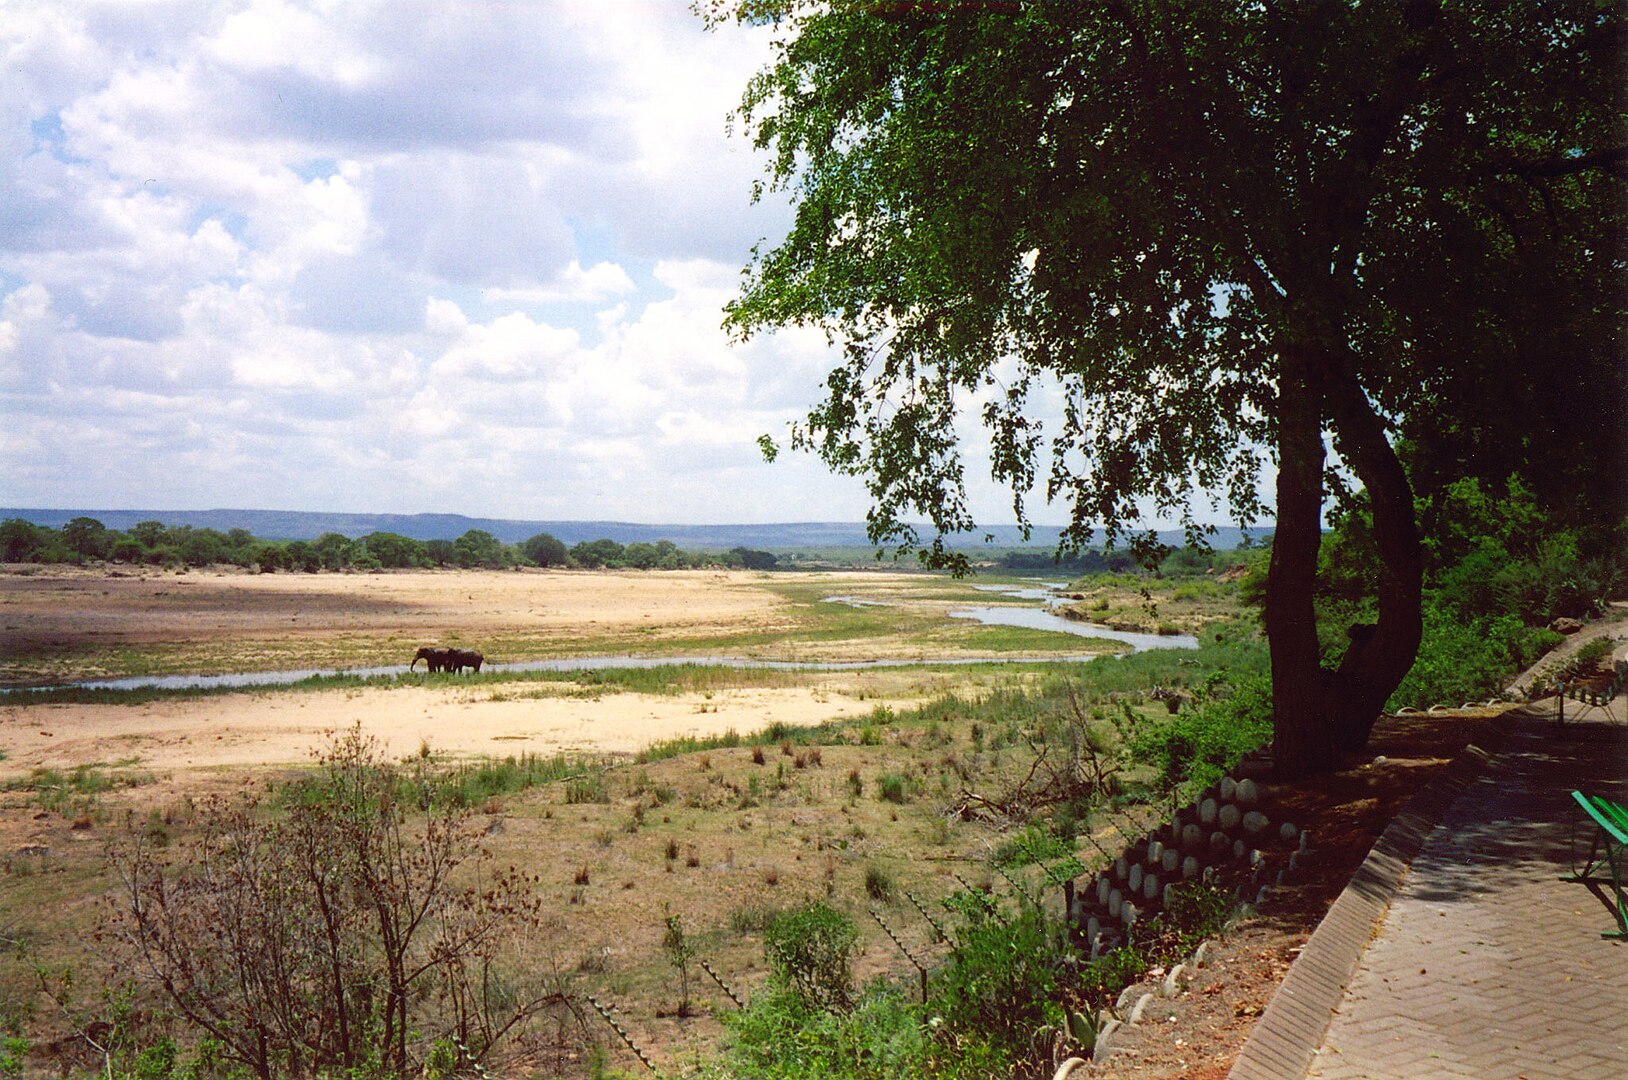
(75, 791)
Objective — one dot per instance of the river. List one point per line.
(989, 615)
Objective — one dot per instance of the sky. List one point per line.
(445, 257)
(413, 256)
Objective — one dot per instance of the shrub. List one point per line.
(588, 788)
(1198, 746)
(1032, 845)
(891, 788)
(810, 952)
(329, 938)
(781, 1036)
(879, 884)
(1003, 982)
(1462, 661)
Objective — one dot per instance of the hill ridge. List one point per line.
(309, 524)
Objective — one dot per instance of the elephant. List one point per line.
(458, 659)
(434, 659)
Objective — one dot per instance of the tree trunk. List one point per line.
(1318, 713)
(1379, 657)
(1302, 729)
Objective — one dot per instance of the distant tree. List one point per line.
(20, 541)
(395, 551)
(204, 547)
(545, 550)
(269, 556)
(597, 553)
(333, 549)
(148, 533)
(1188, 560)
(754, 560)
(477, 547)
(303, 557)
(641, 556)
(669, 556)
(240, 546)
(126, 549)
(441, 552)
(86, 537)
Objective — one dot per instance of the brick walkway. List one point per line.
(1483, 964)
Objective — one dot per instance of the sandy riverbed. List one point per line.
(229, 616)
(244, 730)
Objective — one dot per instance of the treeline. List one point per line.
(152, 543)
(1177, 562)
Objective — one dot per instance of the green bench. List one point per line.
(1608, 852)
(1591, 694)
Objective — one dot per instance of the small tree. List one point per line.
(334, 935)
(810, 950)
(477, 547)
(86, 536)
(596, 553)
(680, 952)
(20, 541)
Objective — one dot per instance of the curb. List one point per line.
(1284, 1041)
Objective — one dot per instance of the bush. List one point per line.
(810, 952)
(334, 937)
(1471, 660)
(589, 788)
(1033, 845)
(1003, 983)
(1198, 746)
(879, 884)
(780, 1036)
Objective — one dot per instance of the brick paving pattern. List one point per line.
(1485, 964)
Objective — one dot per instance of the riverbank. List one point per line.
(67, 624)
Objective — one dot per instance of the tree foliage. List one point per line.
(1214, 234)
(544, 549)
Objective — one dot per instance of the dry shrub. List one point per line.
(337, 932)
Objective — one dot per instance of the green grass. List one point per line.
(76, 791)
(671, 680)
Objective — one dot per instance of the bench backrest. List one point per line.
(1608, 815)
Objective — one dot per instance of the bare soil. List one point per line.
(76, 623)
(807, 840)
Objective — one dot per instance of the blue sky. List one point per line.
(392, 257)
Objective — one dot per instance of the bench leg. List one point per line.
(1611, 858)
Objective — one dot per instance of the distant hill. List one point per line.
(303, 525)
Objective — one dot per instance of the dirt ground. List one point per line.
(59, 623)
(59, 605)
(260, 729)
(209, 742)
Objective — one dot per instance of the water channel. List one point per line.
(989, 615)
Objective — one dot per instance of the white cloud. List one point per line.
(575, 285)
(390, 256)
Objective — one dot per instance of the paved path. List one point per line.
(1483, 963)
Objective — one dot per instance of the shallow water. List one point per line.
(1030, 618)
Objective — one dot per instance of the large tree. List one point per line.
(1228, 232)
